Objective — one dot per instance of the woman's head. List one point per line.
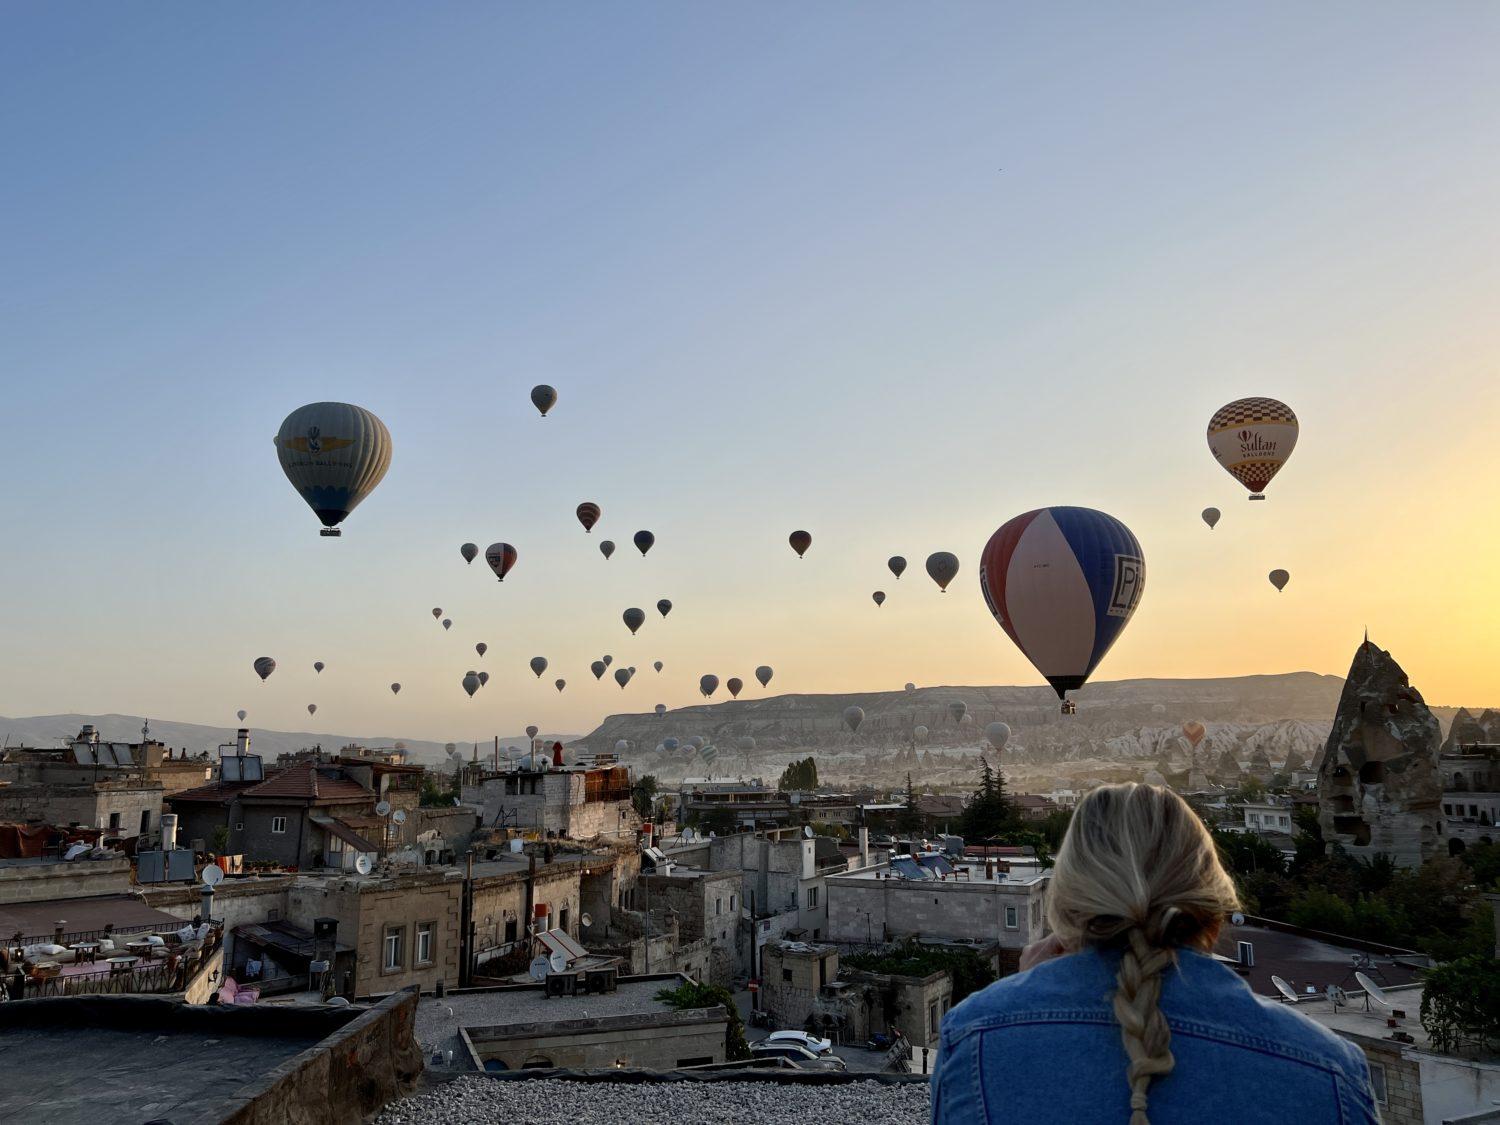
(1138, 870)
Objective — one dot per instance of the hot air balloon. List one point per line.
(622, 676)
(634, 619)
(661, 709)
(264, 666)
(621, 746)
(471, 683)
(539, 665)
(958, 709)
(501, 557)
(598, 667)
(664, 607)
(318, 666)
(447, 623)
(484, 678)
(543, 397)
(941, 567)
(436, 612)
(1211, 517)
(735, 686)
(878, 597)
(588, 514)
(764, 674)
(1279, 578)
(800, 541)
(1063, 583)
(560, 684)
(643, 541)
(608, 659)
(698, 742)
(240, 715)
(334, 454)
(531, 731)
(670, 745)
(897, 565)
(312, 708)
(998, 734)
(911, 687)
(708, 685)
(1252, 438)
(919, 733)
(747, 743)
(481, 648)
(1158, 708)
(469, 551)
(1194, 733)
(607, 548)
(853, 716)
(657, 665)
(395, 689)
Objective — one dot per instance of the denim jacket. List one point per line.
(1043, 1046)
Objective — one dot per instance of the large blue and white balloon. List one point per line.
(1063, 583)
(334, 454)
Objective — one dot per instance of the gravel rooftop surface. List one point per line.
(554, 1102)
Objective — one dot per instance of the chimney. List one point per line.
(242, 741)
(168, 831)
(864, 847)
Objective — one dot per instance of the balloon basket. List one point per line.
(330, 532)
(1257, 496)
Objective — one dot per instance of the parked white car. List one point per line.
(802, 1039)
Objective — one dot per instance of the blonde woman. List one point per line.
(1122, 1016)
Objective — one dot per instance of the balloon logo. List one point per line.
(1211, 517)
(543, 397)
(1279, 578)
(588, 514)
(942, 567)
(800, 541)
(334, 454)
(501, 557)
(1252, 438)
(1063, 583)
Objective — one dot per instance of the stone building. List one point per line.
(706, 906)
(1379, 789)
(570, 802)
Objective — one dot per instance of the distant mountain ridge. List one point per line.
(48, 731)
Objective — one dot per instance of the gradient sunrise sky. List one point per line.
(893, 273)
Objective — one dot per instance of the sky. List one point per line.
(891, 273)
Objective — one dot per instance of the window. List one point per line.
(562, 919)
(812, 898)
(786, 976)
(1377, 1082)
(278, 824)
(239, 826)
(731, 904)
(932, 1018)
(424, 943)
(718, 906)
(1011, 920)
(145, 821)
(510, 930)
(394, 956)
(114, 822)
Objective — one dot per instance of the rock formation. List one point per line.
(1379, 788)
(1466, 729)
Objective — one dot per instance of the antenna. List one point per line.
(362, 864)
(1373, 991)
(538, 969)
(559, 962)
(213, 875)
(1285, 989)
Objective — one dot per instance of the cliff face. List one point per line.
(1467, 729)
(1379, 788)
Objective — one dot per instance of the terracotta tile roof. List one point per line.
(306, 782)
(215, 792)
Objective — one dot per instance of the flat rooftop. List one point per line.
(1026, 877)
(1352, 1019)
(439, 1018)
(1302, 959)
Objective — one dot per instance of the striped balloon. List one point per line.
(1062, 582)
(334, 454)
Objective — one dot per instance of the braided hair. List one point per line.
(1138, 872)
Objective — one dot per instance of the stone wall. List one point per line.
(862, 909)
(78, 879)
(658, 1042)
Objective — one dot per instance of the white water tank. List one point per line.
(168, 831)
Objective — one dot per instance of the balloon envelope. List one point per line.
(764, 674)
(531, 731)
(607, 548)
(879, 597)
(1193, 732)
(539, 665)
(588, 514)
(911, 687)
(395, 689)
(708, 685)
(334, 453)
(484, 678)
(264, 666)
(747, 743)
(608, 660)
(634, 619)
(1063, 583)
(897, 565)
(643, 541)
(469, 551)
(853, 716)
(661, 709)
(436, 612)
(312, 708)
(543, 397)
(657, 665)
(560, 684)
(1279, 578)
(318, 666)
(997, 734)
(481, 648)
(664, 607)
(942, 566)
(1252, 438)
(800, 541)
(501, 557)
(471, 683)
(622, 676)
(919, 733)
(240, 715)
(669, 744)
(447, 623)
(598, 667)
(1211, 517)
(958, 710)
(735, 686)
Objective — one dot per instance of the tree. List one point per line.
(219, 843)
(433, 792)
(969, 971)
(989, 814)
(643, 795)
(801, 775)
(1246, 852)
(1462, 1002)
(910, 819)
(694, 995)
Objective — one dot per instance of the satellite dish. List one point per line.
(383, 809)
(399, 816)
(1237, 918)
(807, 831)
(1372, 990)
(517, 845)
(559, 962)
(337, 1002)
(687, 834)
(538, 969)
(1336, 996)
(362, 864)
(713, 835)
(213, 875)
(586, 918)
(1285, 989)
